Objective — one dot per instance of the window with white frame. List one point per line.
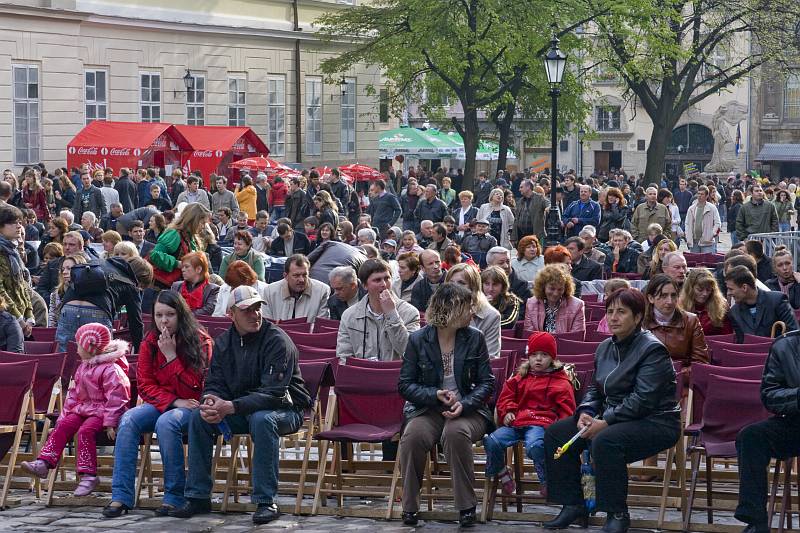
(26, 114)
(313, 116)
(791, 96)
(95, 95)
(196, 102)
(608, 117)
(150, 104)
(276, 114)
(237, 101)
(348, 124)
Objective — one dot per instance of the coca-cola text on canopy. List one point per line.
(83, 150)
(120, 151)
(202, 153)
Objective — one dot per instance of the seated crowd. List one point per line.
(440, 293)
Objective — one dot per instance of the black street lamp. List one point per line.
(581, 135)
(554, 63)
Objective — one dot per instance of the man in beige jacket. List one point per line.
(377, 327)
(649, 212)
(702, 224)
(296, 295)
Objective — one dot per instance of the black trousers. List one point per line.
(611, 450)
(756, 444)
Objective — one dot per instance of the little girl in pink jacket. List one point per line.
(95, 402)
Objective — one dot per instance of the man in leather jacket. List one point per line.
(254, 386)
(776, 437)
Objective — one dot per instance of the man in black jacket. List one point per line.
(583, 268)
(776, 437)
(253, 386)
(289, 242)
(294, 203)
(384, 208)
(345, 290)
(430, 207)
(786, 280)
(127, 191)
(432, 278)
(756, 311)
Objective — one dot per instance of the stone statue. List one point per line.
(724, 158)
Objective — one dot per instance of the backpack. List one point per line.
(95, 277)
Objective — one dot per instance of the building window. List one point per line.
(791, 97)
(26, 114)
(383, 106)
(95, 95)
(348, 125)
(314, 116)
(151, 96)
(237, 101)
(276, 114)
(607, 118)
(196, 102)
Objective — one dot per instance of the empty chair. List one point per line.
(327, 322)
(370, 363)
(40, 347)
(312, 352)
(16, 383)
(566, 347)
(43, 334)
(517, 345)
(571, 336)
(318, 340)
(751, 347)
(724, 357)
(303, 327)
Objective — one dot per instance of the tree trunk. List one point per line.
(503, 122)
(470, 132)
(657, 150)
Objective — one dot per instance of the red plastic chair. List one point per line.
(43, 334)
(317, 340)
(698, 387)
(518, 345)
(369, 408)
(568, 347)
(753, 347)
(730, 358)
(592, 335)
(304, 327)
(500, 372)
(324, 329)
(327, 322)
(290, 321)
(577, 358)
(39, 347)
(16, 384)
(594, 314)
(589, 297)
(308, 353)
(731, 405)
(585, 378)
(49, 370)
(693, 258)
(369, 363)
(748, 339)
(571, 336)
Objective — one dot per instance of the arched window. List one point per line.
(691, 139)
(791, 97)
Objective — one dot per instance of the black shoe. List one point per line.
(753, 528)
(164, 510)
(617, 523)
(467, 517)
(192, 507)
(266, 513)
(409, 518)
(570, 514)
(114, 511)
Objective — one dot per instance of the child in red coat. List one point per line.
(539, 394)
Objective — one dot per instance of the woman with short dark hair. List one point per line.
(243, 251)
(629, 413)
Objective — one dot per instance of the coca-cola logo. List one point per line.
(120, 151)
(71, 150)
(160, 142)
(137, 152)
(218, 153)
(83, 150)
(104, 151)
(202, 153)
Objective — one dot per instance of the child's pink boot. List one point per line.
(38, 468)
(86, 485)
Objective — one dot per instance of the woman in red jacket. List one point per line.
(173, 361)
(277, 198)
(539, 394)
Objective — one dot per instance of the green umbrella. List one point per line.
(447, 143)
(408, 141)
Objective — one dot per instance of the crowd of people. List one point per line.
(413, 268)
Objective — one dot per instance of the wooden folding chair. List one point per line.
(16, 412)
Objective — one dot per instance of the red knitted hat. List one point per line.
(93, 338)
(541, 341)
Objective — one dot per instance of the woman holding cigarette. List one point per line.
(173, 361)
(629, 413)
(446, 379)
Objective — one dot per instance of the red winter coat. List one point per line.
(277, 194)
(161, 383)
(537, 399)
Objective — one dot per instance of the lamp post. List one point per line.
(188, 82)
(581, 135)
(554, 63)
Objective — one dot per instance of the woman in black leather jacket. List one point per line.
(446, 379)
(631, 413)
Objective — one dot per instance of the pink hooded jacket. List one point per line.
(101, 387)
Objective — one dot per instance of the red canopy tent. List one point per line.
(127, 144)
(214, 148)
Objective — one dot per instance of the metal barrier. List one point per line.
(789, 239)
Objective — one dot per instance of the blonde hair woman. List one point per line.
(661, 249)
(700, 295)
(500, 217)
(484, 317)
(553, 308)
(125, 250)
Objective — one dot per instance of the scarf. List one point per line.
(9, 249)
(194, 297)
(662, 319)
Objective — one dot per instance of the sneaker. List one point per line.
(86, 485)
(265, 513)
(38, 468)
(506, 481)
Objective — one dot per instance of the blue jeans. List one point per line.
(710, 249)
(505, 436)
(277, 212)
(734, 238)
(74, 316)
(265, 427)
(784, 226)
(170, 428)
